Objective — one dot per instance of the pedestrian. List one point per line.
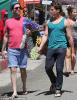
(69, 64)
(41, 16)
(57, 44)
(4, 17)
(17, 57)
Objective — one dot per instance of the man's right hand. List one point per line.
(39, 49)
(4, 53)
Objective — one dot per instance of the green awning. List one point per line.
(5, 4)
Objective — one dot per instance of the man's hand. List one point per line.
(4, 54)
(73, 59)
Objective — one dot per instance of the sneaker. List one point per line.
(58, 93)
(67, 74)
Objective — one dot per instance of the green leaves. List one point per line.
(34, 54)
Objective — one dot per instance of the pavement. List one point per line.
(5, 74)
(38, 84)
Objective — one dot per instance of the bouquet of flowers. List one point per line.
(28, 24)
(33, 26)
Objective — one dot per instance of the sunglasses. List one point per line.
(16, 8)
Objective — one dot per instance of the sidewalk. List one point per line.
(38, 85)
(5, 74)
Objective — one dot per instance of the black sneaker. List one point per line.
(52, 88)
(58, 93)
(67, 74)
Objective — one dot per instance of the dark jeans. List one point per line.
(58, 56)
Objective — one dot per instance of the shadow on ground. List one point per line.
(67, 74)
(49, 92)
(8, 94)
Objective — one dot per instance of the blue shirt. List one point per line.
(57, 35)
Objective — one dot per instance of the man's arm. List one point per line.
(5, 40)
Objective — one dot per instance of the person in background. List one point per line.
(30, 44)
(41, 16)
(25, 11)
(17, 57)
(57, 45)
(69, 64)
(4, 17)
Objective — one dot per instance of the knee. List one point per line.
(22, 70)
(59, 71)
(13, 70)
(68, 53)
(48, 68)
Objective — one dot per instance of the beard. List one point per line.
(16, 15)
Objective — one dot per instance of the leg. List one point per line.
(73, 62)
(23, 78)
(59, 67)
(68, 60)
(50, 60)
(59, 70)
(13, 64)
(13, 80)
(23, 65)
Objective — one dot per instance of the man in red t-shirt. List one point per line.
(4, 16)
(17, 57)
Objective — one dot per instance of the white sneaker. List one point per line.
(58, 93)
(72, 72)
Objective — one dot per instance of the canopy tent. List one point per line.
(68, 1)
(31, 1)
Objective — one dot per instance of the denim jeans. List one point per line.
(17, 58)
(55, 56)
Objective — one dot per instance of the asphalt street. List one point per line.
(38, 87)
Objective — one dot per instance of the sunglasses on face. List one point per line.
(16, 8)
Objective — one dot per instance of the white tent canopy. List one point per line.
(67, 1)
(31, 1)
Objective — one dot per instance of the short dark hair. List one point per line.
(57, 6)
(70, 10)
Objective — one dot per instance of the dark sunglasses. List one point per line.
(17, 8)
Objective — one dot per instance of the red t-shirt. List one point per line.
(15, 32)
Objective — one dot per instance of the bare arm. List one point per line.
(69, 35)
(5, 40)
